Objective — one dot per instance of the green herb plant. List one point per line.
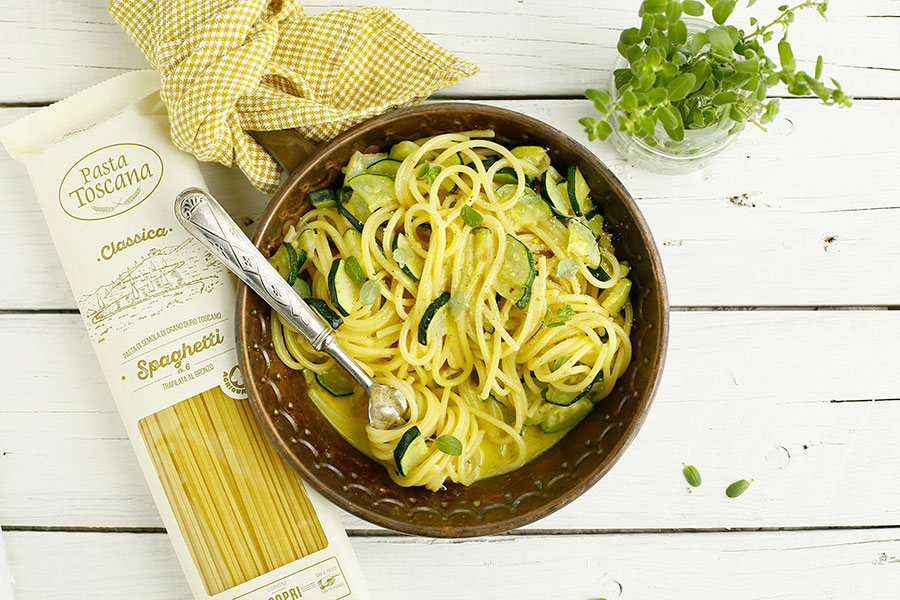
(690, 82)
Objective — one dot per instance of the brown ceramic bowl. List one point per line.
(357, 484)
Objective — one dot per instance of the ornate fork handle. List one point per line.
(207, 221)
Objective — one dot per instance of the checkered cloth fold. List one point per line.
(232, 66)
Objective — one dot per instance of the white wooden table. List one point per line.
(783, 261)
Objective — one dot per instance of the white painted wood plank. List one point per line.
(5, 577)
(750, 230)
(540, 47)
(767, 395)
(738, 566)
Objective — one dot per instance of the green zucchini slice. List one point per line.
(582, 245)
(507, 175)
(561, 418)
(359, 162)
(595, 224)
(401, 150)
(322, 198)
(281, 261)
(306, 241)
(577, 190)
(411, 450)
(288, 262)
(432, 323)
(374, 190)
(553, 196)
(353, 239)
(522, 215)
(481, 243)
(387, 167)
(352, 207)
(534, 159)
(302, 289)
(617, 297)
(412, 263)
(321, 307)
(561, 398)
(517, 274)
(336, 382)
(600, 273)
(342, 291)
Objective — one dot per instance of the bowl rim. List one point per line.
(287, 189)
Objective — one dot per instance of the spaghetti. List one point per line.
(242, 510)
(499, 308)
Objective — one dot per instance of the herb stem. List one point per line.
(781, 19)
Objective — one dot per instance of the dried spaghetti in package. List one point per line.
(159, 311)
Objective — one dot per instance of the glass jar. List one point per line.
(671, 157)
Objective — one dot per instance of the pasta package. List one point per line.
(159, 312)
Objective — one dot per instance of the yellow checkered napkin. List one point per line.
(232, 66)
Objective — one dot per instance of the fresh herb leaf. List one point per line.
(722, 10)
(470, 216)
(692, 7)
(559, 362)
(401, 256)
(737, 488)
(432, 174)
(567, 268)
(369, 292)
(560, 317)
(448, 444)
(692, 475)
(354, 270)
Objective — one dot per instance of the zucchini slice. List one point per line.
(481, 243)
(411, 450)
(288, 262)
(578, 191)
(553, 196)
(517, 275)
(534, 159)
(322, 198)
(561, 398)
(387, 167)
(523, 214)
(599, 272)
(353, 209)
(413, 264)
(595, 224)
(282, 261)
(342, 291)
(432, 323)
(617, 297)
(507, 175)
(359, 162)
(353, 239)
(306, 241)
(582, 245)
(506, 191)
(336, 382)
(321, 307)
(490, 159)
(374, 190)
(302, 289)
(561, 418)
(401, 150)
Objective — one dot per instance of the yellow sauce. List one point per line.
(348, 416)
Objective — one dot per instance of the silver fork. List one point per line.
(207, 221)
